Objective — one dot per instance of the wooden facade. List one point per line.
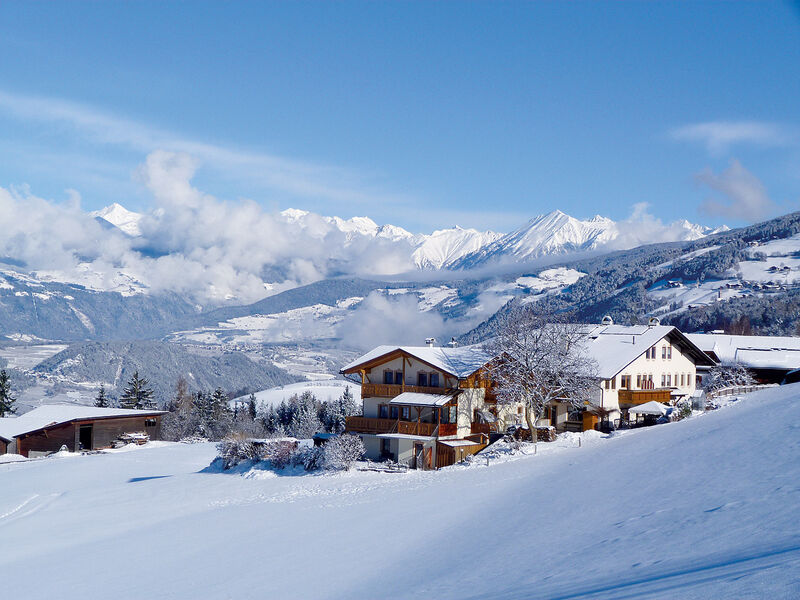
(374, 425)
(86, 434)
(636, 397)
(447, 455)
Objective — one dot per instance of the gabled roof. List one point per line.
(461, 361)
(58, 414)
(614, 347)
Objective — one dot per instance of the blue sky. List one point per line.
(421, 115)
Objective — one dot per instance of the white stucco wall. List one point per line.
(679, 364)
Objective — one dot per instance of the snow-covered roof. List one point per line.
(416, 399)
(456, 443)
(403, 436)
(756, 351)
(649, 408)
(461, 361)
(53, 414)
(614, 347)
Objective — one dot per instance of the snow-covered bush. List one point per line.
(682, 410)
(310, 458)
(236, 449)
(342, 451)
(280, 452)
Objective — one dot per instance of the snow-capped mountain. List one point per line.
(444, 247)
(120, 217)
(558, 233)
(214, 254)
(553, 233)
(352, 228)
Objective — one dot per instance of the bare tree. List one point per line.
(539, 359)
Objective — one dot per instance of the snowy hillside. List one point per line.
(701, 509)
(768, 268)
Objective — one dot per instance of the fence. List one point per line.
(737, 389)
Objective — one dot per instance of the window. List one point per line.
(676, 380)
(398, 378)
(639, 381)
(422, 379)
(613, 383)
(434, 380)
(625, 382)
(669, 380)
(405, 414)
(607, 384)
(663, 380)
(383, 411)
(150, 423)
(394, 412)
(669, 352)
(682, 379)
(385, 448)
(453, 417)
(388, 377)
(650, 353)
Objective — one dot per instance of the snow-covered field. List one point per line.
(27, 357)
(324, 390)
(703, 508)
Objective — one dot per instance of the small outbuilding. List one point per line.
(47, 428)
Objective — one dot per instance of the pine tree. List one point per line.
(138, 394)
(251, 407)
(6, 399)
(101, 400)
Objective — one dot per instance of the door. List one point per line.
(85, 437)
(418, 458)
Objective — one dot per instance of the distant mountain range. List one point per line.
(457, 248)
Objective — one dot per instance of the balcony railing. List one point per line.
(387, 390)
(373, 425)
(635, 397)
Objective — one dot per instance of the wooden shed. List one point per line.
(47, 428)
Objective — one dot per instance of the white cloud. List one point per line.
(719, 136)
(192, 243)
(382, 319)
(745, 197)
(296, 177)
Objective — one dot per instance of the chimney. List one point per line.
(453, 343)
(430, 342)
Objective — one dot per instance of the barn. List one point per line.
(47, 428)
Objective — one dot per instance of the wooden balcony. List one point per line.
(636, 397)
(486, 428)
(386, 390)
(376, 426)
(371, 425)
